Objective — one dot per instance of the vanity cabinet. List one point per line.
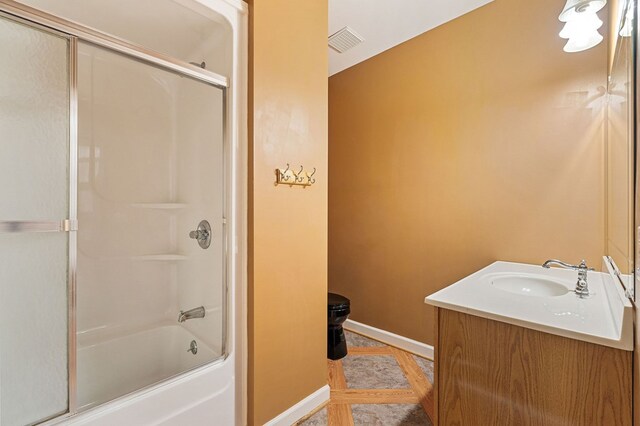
(493, 373)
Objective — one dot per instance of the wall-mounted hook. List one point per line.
(283, 175)
(291, 178)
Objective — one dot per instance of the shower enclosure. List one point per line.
(113, 217)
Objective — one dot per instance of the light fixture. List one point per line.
(574, 8)
(582, 24)
(587, 41)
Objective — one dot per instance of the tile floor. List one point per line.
(376, 384)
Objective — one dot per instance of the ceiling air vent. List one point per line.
(344, 40)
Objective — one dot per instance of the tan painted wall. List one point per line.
(477, 141)
(288, 226)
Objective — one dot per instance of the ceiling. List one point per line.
(387, 23)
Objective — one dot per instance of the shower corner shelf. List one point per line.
(160, 206)
(161, 258)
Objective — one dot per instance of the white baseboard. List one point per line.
(404, 343)
(302, 408)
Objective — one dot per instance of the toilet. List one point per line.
(339, 309)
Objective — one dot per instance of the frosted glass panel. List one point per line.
(34, 152)
(33, 327)
(34, 123)
(150, 169)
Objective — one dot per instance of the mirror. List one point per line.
(620, 150)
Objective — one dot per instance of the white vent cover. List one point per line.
(344, 40)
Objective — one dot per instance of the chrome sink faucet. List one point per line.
(582, 288)
(191, 313)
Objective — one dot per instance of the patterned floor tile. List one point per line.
(374, 372)
(389, 415)
(356, 340)
(375, 365)
(318, 419)
(426, 365)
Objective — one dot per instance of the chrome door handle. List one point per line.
(24, 226)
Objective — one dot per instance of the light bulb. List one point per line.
(583, 42)
(585, 24)
(574, 8)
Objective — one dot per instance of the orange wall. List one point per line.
(477, 141)
(288, 226)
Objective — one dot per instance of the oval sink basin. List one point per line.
(529, 285)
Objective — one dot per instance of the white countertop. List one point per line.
(605, 318)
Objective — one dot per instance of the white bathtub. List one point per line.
(123, 365)
(146, 367)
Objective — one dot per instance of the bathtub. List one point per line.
(148, 367)
(122, 365)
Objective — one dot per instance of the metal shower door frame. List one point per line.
(75, 33)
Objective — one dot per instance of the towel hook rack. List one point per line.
(287, 176)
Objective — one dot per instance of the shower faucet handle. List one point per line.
(202, 234)
(198, 235)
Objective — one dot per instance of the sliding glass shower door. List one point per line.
(112, 220)
(36, 216)
(151, 213)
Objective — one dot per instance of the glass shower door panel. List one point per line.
(200, 171)
(34, 197)
(150, 170)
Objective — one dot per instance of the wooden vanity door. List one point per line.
(492, 373)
